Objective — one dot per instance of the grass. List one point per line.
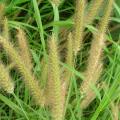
(39, 20)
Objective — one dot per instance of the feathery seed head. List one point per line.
(79, 25)
(93, 10)
(5, 29)
(97, 47)
(54, 82)
(69, 59)
(105, 19)
(90, 80)
(29, 79)
(96, 51)
(5, 79)
(23, 45)
(66, 74)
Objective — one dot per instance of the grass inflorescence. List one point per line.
(58, 61)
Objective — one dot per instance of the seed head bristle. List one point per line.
(69, 60)
(54, 82)
(106, 18)
(24, 49)
(93, 10)
(29, 79)
(5, 29)
(96, 51)
(93, 70)
(5, 79)
(67, 74)
(79, 25)
(86, 90)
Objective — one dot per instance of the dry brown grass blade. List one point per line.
(5, 32)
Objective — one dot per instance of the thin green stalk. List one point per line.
(40, 26)
(56, 19)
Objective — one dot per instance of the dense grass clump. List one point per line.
(59, 59)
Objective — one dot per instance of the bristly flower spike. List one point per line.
(54, 82)
(92, 11)
(24, 49)
(86, 86)
(29, 79)
(106, 18)
(79, 25)
(96, 51)
(5, 80)
(5, 32)
(69, 61)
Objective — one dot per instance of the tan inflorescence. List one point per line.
(56, 77)
(93, 10)
(78, 26)
(54, 82)
(28, 77)
(93, 71)
(5, 80)
(24, 49)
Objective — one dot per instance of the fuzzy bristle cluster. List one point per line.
(106, 18)
(24, 49)
(5, 80)
(28, 78)
(92, 11)
(54, 76)
(54, 82)
(86, 87)
(95, 64)
(79, 26)
(5, 32)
